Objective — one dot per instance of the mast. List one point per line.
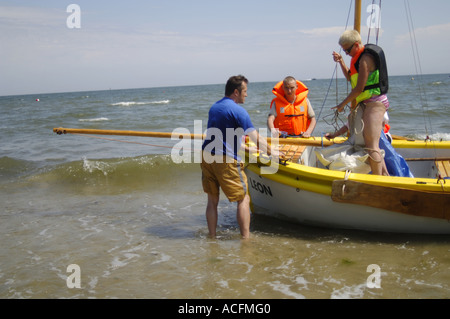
(357, 24)
(357, 27)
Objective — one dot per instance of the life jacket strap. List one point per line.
(373, 86)
(294, 115)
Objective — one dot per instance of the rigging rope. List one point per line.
(132, 142)
(418, 67)
(335, 118)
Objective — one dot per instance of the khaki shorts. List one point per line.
(230, 177)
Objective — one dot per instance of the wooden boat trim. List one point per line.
(405, 201)
(443, 167)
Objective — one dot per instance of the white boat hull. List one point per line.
(285, 202)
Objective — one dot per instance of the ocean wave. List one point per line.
(11, 167)
(349, 292)
(119, 175)
(434, 137)
(131, 103)
(99, 119)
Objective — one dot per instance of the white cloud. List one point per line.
(31, 17)
(36, 41)
(431, 47)
(435, 33)
(323, 32)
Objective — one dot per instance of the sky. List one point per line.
(48, 47)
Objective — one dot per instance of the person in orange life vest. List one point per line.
(375, 105)
(291, 111)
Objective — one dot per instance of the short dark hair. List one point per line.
(233, 83)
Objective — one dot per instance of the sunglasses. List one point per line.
(349, 49)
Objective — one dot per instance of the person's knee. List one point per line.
(246, 199)
(213, 200)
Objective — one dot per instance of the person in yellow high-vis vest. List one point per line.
(369, 81)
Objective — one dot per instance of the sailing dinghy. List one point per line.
(306, 191)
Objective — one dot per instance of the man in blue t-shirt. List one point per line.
(221, 164)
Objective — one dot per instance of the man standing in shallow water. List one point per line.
(221, 164)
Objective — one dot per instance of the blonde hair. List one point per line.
(349, 37)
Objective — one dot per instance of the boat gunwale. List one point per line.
(291, 173)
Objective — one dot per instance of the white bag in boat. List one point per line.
(349, 155)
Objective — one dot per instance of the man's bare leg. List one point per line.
(243, 216)
(211, 214)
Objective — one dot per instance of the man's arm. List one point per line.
(311, 127)
(262, 144)
(274, 131)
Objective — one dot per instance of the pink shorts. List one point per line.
(379, 98)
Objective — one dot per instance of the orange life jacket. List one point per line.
(355, 58)
(291, 118)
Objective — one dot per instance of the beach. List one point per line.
(133, 220)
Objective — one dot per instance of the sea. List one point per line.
(106, 217)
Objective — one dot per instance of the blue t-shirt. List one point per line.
(227, 123)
